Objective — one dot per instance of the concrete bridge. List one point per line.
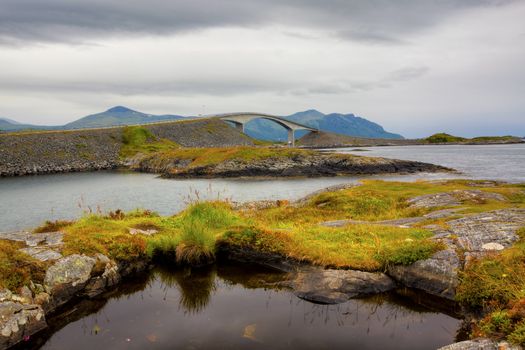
(240, 119)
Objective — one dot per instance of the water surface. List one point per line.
(495, 162)
(228, 307)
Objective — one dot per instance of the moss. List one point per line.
(18, 269)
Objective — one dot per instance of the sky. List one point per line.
(414, 66)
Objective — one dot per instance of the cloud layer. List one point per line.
(412, 65)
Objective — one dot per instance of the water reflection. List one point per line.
(236, 306)
(195, 286)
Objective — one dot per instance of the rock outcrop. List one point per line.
(337, 286)
(306, 164)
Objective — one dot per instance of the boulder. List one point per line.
(437, 275)
(337, 286)
(67, 277)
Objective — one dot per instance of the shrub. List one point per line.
(197, 243)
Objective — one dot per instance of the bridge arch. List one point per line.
(240, 120)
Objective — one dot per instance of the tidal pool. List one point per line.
(239, 307)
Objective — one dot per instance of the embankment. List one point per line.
(33, 153)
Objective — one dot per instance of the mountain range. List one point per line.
(346, 124)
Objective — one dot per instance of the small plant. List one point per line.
(197, 243)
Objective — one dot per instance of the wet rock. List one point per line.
(67, 277)
(18, 321)
(481, 344)
(437, 275)
(108, 277)
(337, 286)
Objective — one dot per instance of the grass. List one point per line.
(16, 268)
(362, 247)
(138, 139)
(211, 156)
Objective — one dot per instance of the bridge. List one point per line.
(240, 119)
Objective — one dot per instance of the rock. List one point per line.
(437, 275)
(34, 239)
(453, 198)
(481, 344)
(433, 200)
(25, 296)
(109, 277)
(497, 226)
(5, 294)
(68, 276)
(42, 253)
(337, 286)
(492, 246)
(18, 321)
(136, 231)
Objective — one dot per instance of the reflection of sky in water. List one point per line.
(219, 314)
(28, 201)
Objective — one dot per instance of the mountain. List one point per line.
(118, 116)
(346, 124)
(11, 125)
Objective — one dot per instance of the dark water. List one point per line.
(231, 307)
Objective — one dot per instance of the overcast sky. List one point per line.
(414, 66)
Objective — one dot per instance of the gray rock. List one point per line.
(337, 286)
(497, 226)
(434, 200)
(67, 277)
(453, 198)
(481, 344)
(18, 321)
(437, 275)
(42, 253)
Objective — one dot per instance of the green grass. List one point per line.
(496, 285)
(362, 247)
(138, 139)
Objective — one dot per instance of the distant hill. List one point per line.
(115, 116)
(11, 125)
(118, 115)
(345, 124)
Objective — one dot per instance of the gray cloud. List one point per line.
(73, 21)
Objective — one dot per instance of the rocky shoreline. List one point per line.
(309, 164)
